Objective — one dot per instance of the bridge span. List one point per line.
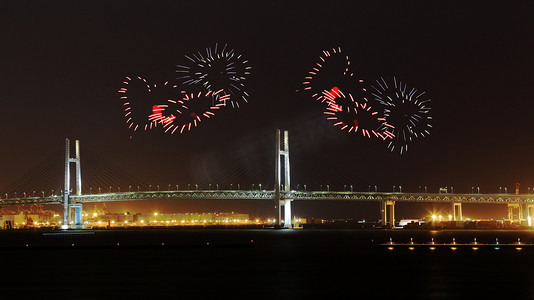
(521, 206)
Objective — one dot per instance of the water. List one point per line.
(262, 264)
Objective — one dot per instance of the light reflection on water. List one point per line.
(278, 264)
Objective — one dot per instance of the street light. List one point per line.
(478, 190)
(472, 190)
(393, 189)
(500, 190)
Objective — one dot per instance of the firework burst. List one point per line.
(139, 98)
(179, 116)
(332, 69)
(406, 109)
(215, 69)
(355, 116)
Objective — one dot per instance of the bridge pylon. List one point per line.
(282, 174)
(67, 206)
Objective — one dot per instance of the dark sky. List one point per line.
(61, 64)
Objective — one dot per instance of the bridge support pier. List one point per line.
(387, 209)
(287, 213)
(457, 211)
(78, 216)
(512, 209)
(530, 214)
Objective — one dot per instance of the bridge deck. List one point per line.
(270, 195)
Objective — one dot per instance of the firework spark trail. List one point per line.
(330, 70)
(217, 69)
(140, 102)
(406, 109)
(354, 116)
(192, 109)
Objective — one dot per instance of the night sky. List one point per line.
(62, 63)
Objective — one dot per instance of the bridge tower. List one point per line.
(67, 206)
(281, 173)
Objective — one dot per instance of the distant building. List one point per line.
(405, 222)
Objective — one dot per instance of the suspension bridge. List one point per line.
(72, 200)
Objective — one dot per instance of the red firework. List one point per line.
(178, 116)
(355, 116)
(139, 99)
(332, 69)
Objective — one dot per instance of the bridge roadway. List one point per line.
(270, 195)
